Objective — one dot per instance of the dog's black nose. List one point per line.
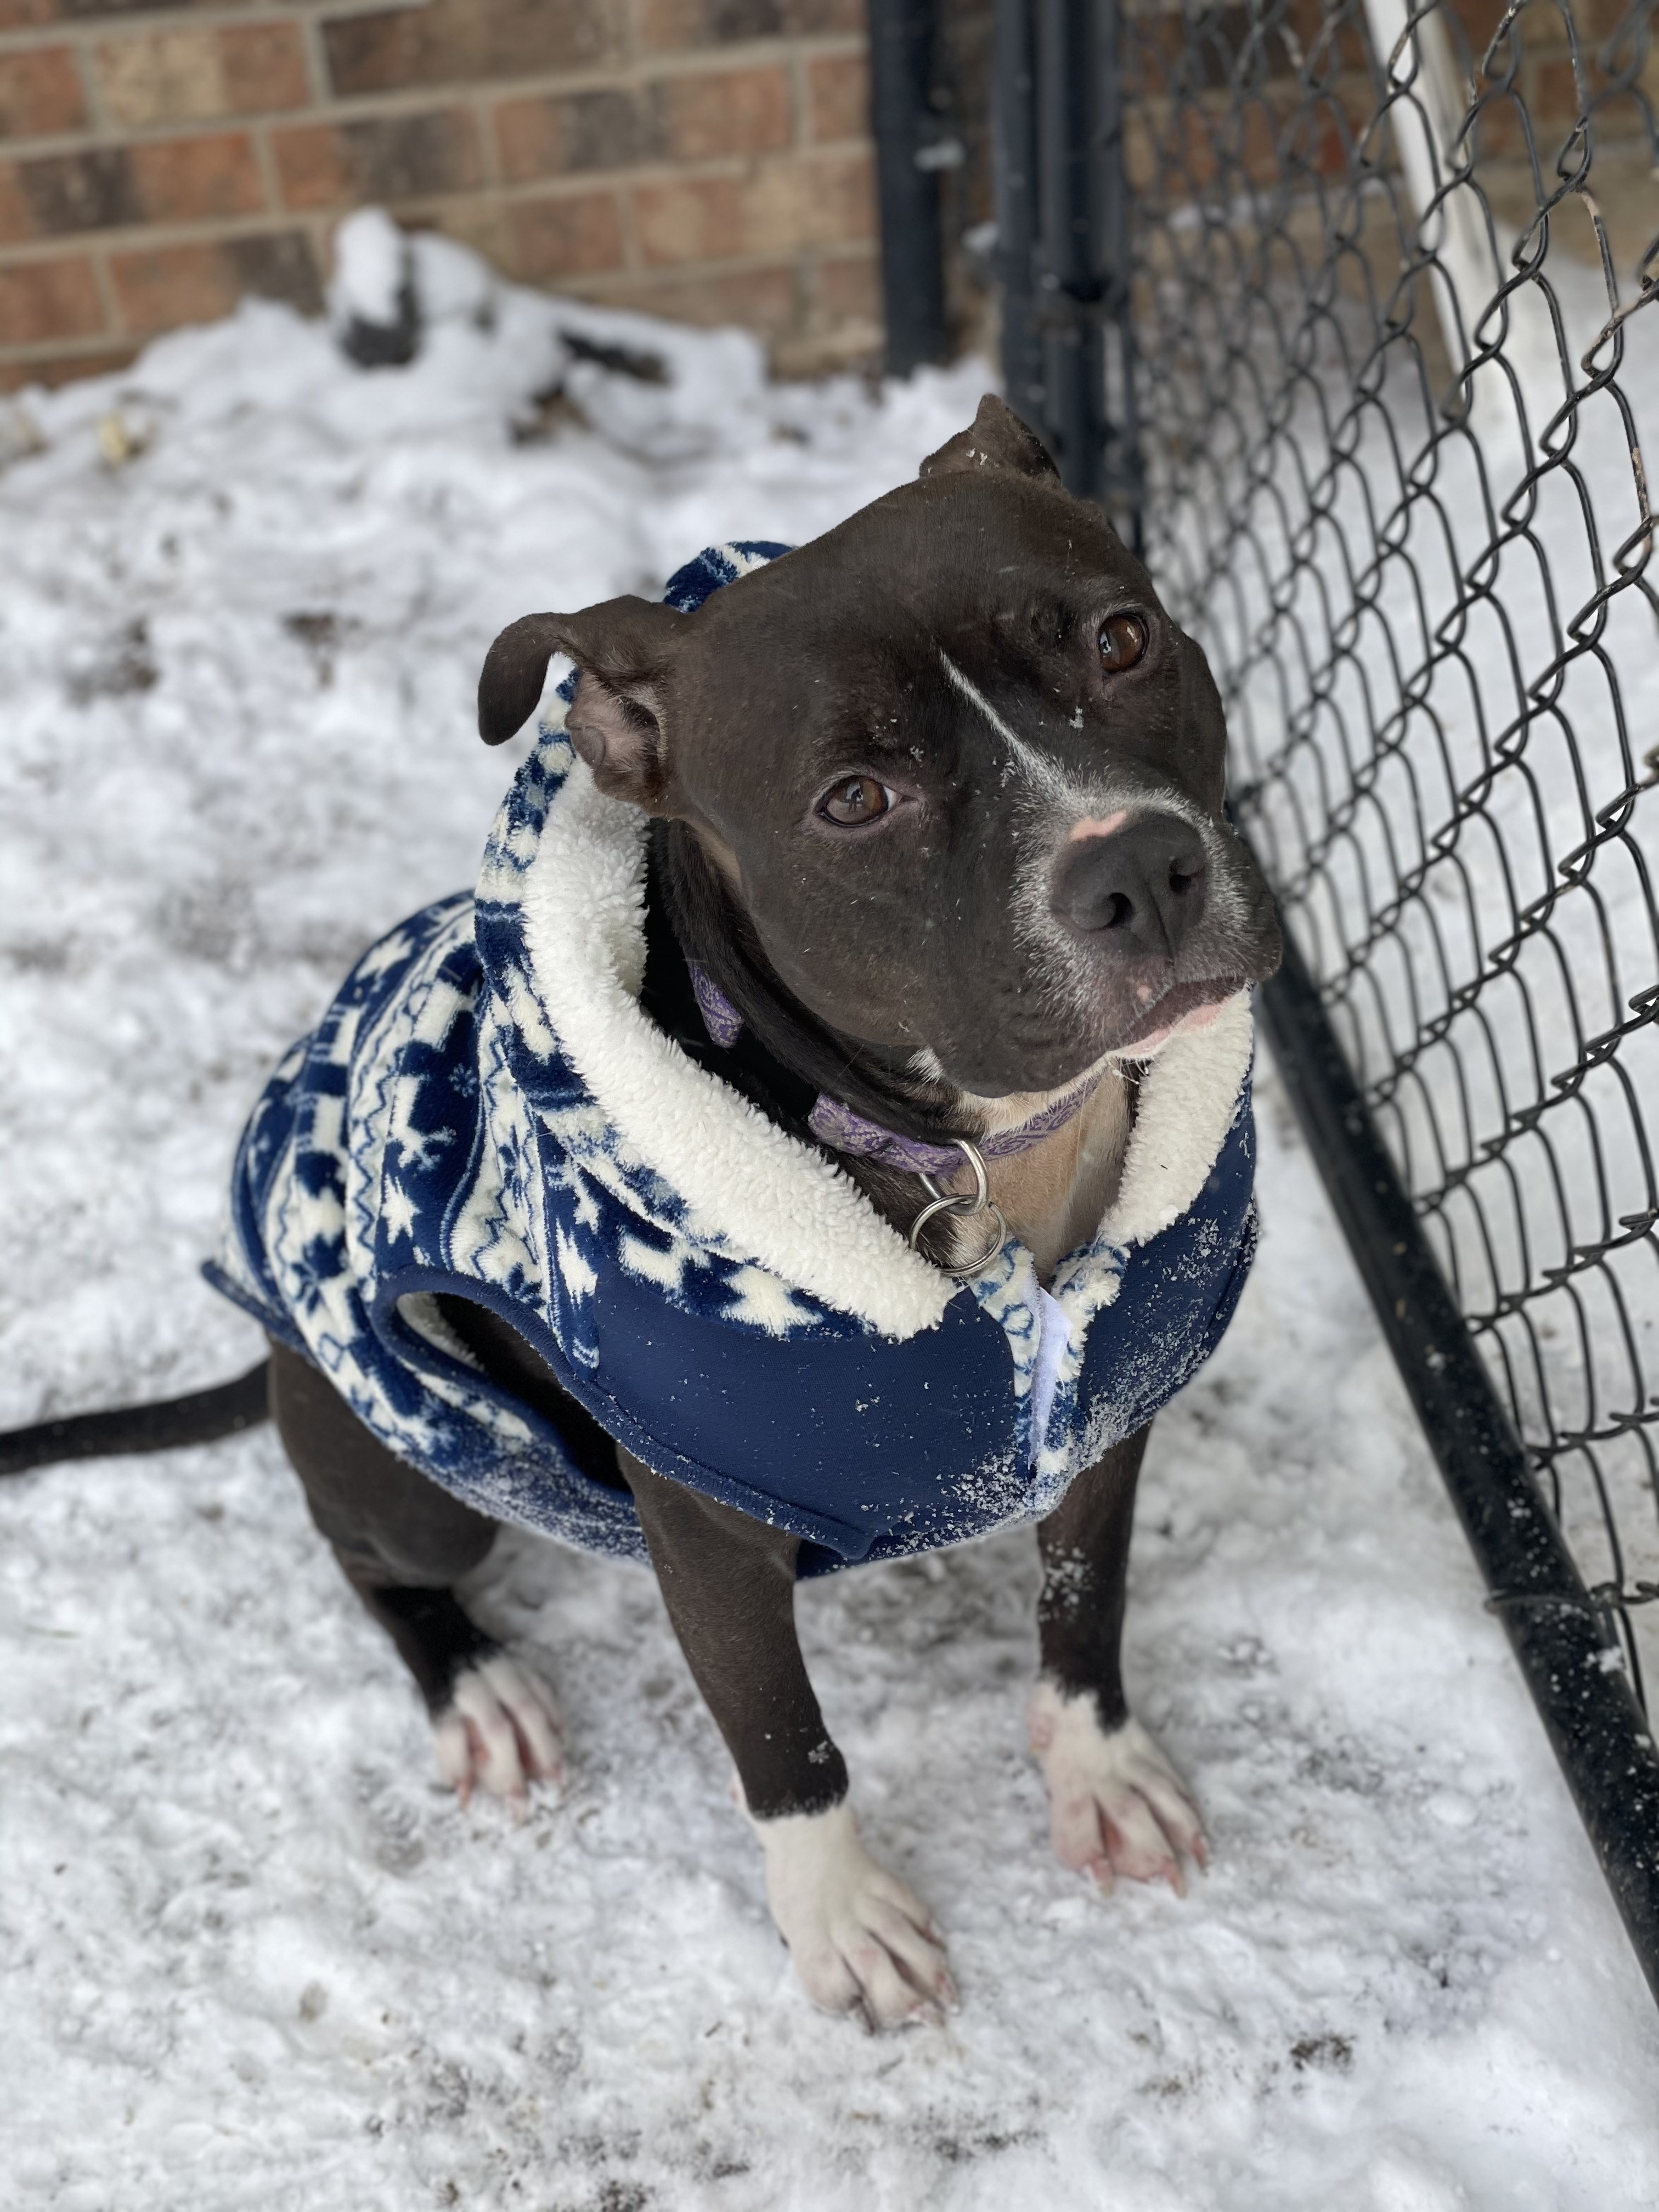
(1140, 890)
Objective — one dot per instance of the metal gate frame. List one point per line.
(1063, 214)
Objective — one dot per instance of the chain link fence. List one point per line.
(1349, 309)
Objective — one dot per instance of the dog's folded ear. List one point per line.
(623, 651)
(997, 439)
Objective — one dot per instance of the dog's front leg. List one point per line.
(861, 1942)
(1116, 1805)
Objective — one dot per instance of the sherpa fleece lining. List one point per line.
(749, 1186)
(751, 1189)
(1189, 1095)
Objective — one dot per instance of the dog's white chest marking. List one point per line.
(1115, 1804)
(861, 1941)
(1054, 1196)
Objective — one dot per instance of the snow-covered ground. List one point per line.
(254, 1955)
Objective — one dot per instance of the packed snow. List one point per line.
(254, 1953)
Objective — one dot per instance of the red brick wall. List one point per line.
(707, 159)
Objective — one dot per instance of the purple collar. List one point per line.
(844, 1131)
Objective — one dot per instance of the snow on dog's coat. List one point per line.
(486, 1110)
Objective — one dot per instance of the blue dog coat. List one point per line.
(486, 1111)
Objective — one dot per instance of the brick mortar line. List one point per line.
(260, 127)
(629, 14)
(633, 249)
(311, 46)
(658, 60)
(224, 230)
(92, 90)
(319, 230)
(651, 271)
(264, 161)
(104, 283)
(572, 185)
(67, 143)
(226, 16)
(356, 106)
(799, 105)
(19, 357)
(681, 272)
(489, 158)
(152, 237)
(709, 168)
(739, 53)
(583, 183)
(587, 284)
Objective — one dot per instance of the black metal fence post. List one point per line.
(1068, 354)
(908, 144)
(1069, 211)
(1013, 95)
(1120, 411)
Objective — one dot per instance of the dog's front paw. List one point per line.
(862, 1942)
(499, 1731)
(1115, 1804)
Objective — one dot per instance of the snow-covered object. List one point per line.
(709, 386)
(371, 296)
(453, 284)
(371, 267)
(392, 289)
(486, 1111)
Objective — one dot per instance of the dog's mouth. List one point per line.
(1183, 1007)
(1180, 1009)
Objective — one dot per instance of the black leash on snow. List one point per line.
(201, 1417)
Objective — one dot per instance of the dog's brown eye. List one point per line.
(1122, 642)
(859, 799)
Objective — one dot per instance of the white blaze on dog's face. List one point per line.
(969, 773)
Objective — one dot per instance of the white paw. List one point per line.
(1115, 1804)
(861, 1941)
(499, 1732)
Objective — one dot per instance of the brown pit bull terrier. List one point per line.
(937, 848)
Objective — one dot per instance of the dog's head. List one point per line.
(956, 763)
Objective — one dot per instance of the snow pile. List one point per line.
(245, 592)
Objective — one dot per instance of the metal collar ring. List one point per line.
(960, 1204)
